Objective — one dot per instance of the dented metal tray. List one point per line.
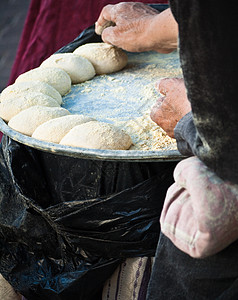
(119, 96)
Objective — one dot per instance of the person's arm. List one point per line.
(138, 27)
(186, 135)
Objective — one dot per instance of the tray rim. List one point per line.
(85, 153)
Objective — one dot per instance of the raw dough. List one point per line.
(104, 57)
(55, 77)
(97, 135)
(29, 119)
(54, 130)
(11, 107)
(16, 89)
(78, 68)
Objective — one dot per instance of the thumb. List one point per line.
(156, 110)
(163, 85)
(110, 35)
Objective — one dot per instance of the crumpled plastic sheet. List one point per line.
(67, 223)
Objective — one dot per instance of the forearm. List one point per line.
(163, 32)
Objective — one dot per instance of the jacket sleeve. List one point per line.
(186, 135)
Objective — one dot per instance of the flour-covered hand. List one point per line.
(137, 27)
(172, 105)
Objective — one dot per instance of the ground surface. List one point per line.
(12, 18)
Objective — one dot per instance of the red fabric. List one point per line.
(51, 24)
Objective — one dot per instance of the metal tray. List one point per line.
(119, 96)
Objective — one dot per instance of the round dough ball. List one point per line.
(16, 89)
(97, 135)
(11, 107)
(104, 57)
(54, 130)
(29, 119)
(78, 68)
(55, 77)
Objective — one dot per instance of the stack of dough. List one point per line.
(104, 57)
(54, 130)
(32, 104)
(77, 67)
(97, 135)
(29, 119)
(11, 107)
(84, 132)
(18, 88)
(55, 77)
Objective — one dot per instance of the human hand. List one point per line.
(172, 106)
(137, 27)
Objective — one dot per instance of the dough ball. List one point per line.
(29, 119)
(55, 129)
(18, 88)
(104, 57)
(11, 107)
(55, 77)
(97, 135)
(78, 68)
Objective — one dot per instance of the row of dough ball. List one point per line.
(62, 69)
(32, 104)
(57, 125)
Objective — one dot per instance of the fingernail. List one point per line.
(158, 81)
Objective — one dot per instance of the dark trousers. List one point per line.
(177, 276)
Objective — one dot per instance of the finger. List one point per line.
(156, 109)
(99, 29)
(105, 16)
(170, 85)
(164, 85)
(157, 85)
(110, 35)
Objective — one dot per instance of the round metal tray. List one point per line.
(119, 96)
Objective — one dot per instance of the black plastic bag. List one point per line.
(61, 234)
